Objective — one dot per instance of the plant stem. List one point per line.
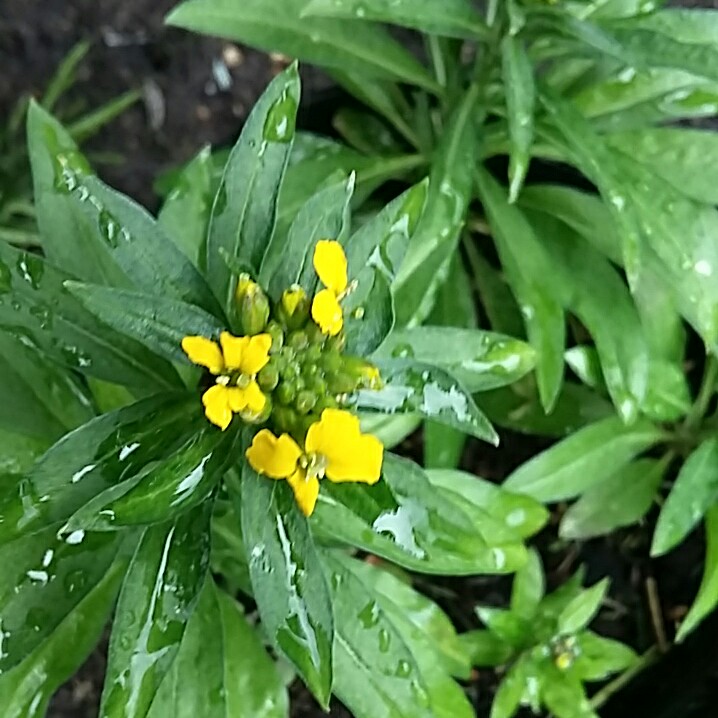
(647, 659)
(705, 394)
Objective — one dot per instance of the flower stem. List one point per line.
(705, 393)
(647, 659)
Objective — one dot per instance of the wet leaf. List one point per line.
(164, 489)
(582, 460)
(582, 609)
(44, 578)
(222, 668)
(417, 388)
(520, 514)
(28, 688)
(18, 453)
(599, 657)
(486, 649)
(453, 18)
(369, 313)
(158, 596)
(511, 689)
(406, 520)
(38, 310)
(707, 597)
(620, 500)
(97, 455)
(528, 587)
(160, 323)
(362, 48)
(390, 430)
(287, 579)
(520, 104)
(375, 667)
(480, 360)
(245, 206)
(455, 304)
(432, 247)
(289, 258)
(526, 262)
(668, 397)
(510, 627)
(693, 493)
(443, 446)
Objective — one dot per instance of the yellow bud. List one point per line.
(253, 305)
(294, 307)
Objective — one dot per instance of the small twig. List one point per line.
(648, 658)
(654, 605)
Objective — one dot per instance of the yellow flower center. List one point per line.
(314, 465)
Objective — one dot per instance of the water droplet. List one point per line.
(30, 267)
(384, 640)
(359, 313)
(77, 476)
(403, 669)
(47, 558)
(38, 576)
(279, 125)
(703, 266)
(403, 351)
(125, 451)
(76, 537)
(399, 524)
(369, 615)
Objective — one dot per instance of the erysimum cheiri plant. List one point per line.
(202, 403)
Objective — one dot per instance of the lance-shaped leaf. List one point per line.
(526, 263)
(245, 207)
(28, 688)
(368, 312)
(287, 579)
(599, 657)
(97, 455)
(480, 360)
(411, 387)
(160, 323)
(158, 596)
(222, 669)
(407, 520)
(37, 309)
(166, 488)
(44, 578)
(453, 18)
(331, 43)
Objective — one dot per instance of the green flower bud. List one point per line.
(268, 376)
(289, 371)
(298, 340)
(366, 375)
(285, 393)
(315, 335)
(277, 333)
(318, 385)
(338, 342)
(253, 306)
(331, 361)
(341, 383)
(309, 371)
(305, 401)
(260, 418)
(326, 401)
(285, 419)
(294, 307)
(312, 353)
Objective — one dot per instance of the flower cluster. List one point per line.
(290, 374)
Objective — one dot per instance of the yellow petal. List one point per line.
(351, 455)
(256, 355)
(255, 399)
(236, 398)
(234, 349)
(216, 406)
(306, 491)
(330, 263)
(291, 298)
(272, 456)
(327, 312)
(204, 352)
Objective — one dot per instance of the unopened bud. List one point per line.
(277, 333)
(253, 306)
(261, 417)
(294, 307)
(305, 401)
(298, 340)
(285, 393)
(268, 376)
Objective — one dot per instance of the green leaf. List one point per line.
(353, 47)
(43, 579)
(245, 207)
(455, 304)
(511, 628)
(423, 625)
(486, 649)
(563, 695)
(526, 263)
(417, 388)
(28, 688)
(405, 519)
(582, 460)
(38, 398)
(376, 669)
(694, 492)
(520, 514)
(18, 453)
(158, 596)
(222, 668)
(390, 430)
(186, 211)
(166, 488)
(619, 500)
(434, 242)
(289, 259)
(598, 657)
(511, 689)
(38, 309)
(443, 446)
(668, 397)
(95, 456)
(707, 597)
(582, 609)
(366, 132)
(528, 587)
(452, 18)
(287, 579)
(369, 312)
(520, 105)
(480, 360)
(159, 323)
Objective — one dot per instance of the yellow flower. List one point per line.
(235, 366)
(334, 447)
(330, 264)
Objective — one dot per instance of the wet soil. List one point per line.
(197, 91)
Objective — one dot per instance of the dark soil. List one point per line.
(198, 91)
